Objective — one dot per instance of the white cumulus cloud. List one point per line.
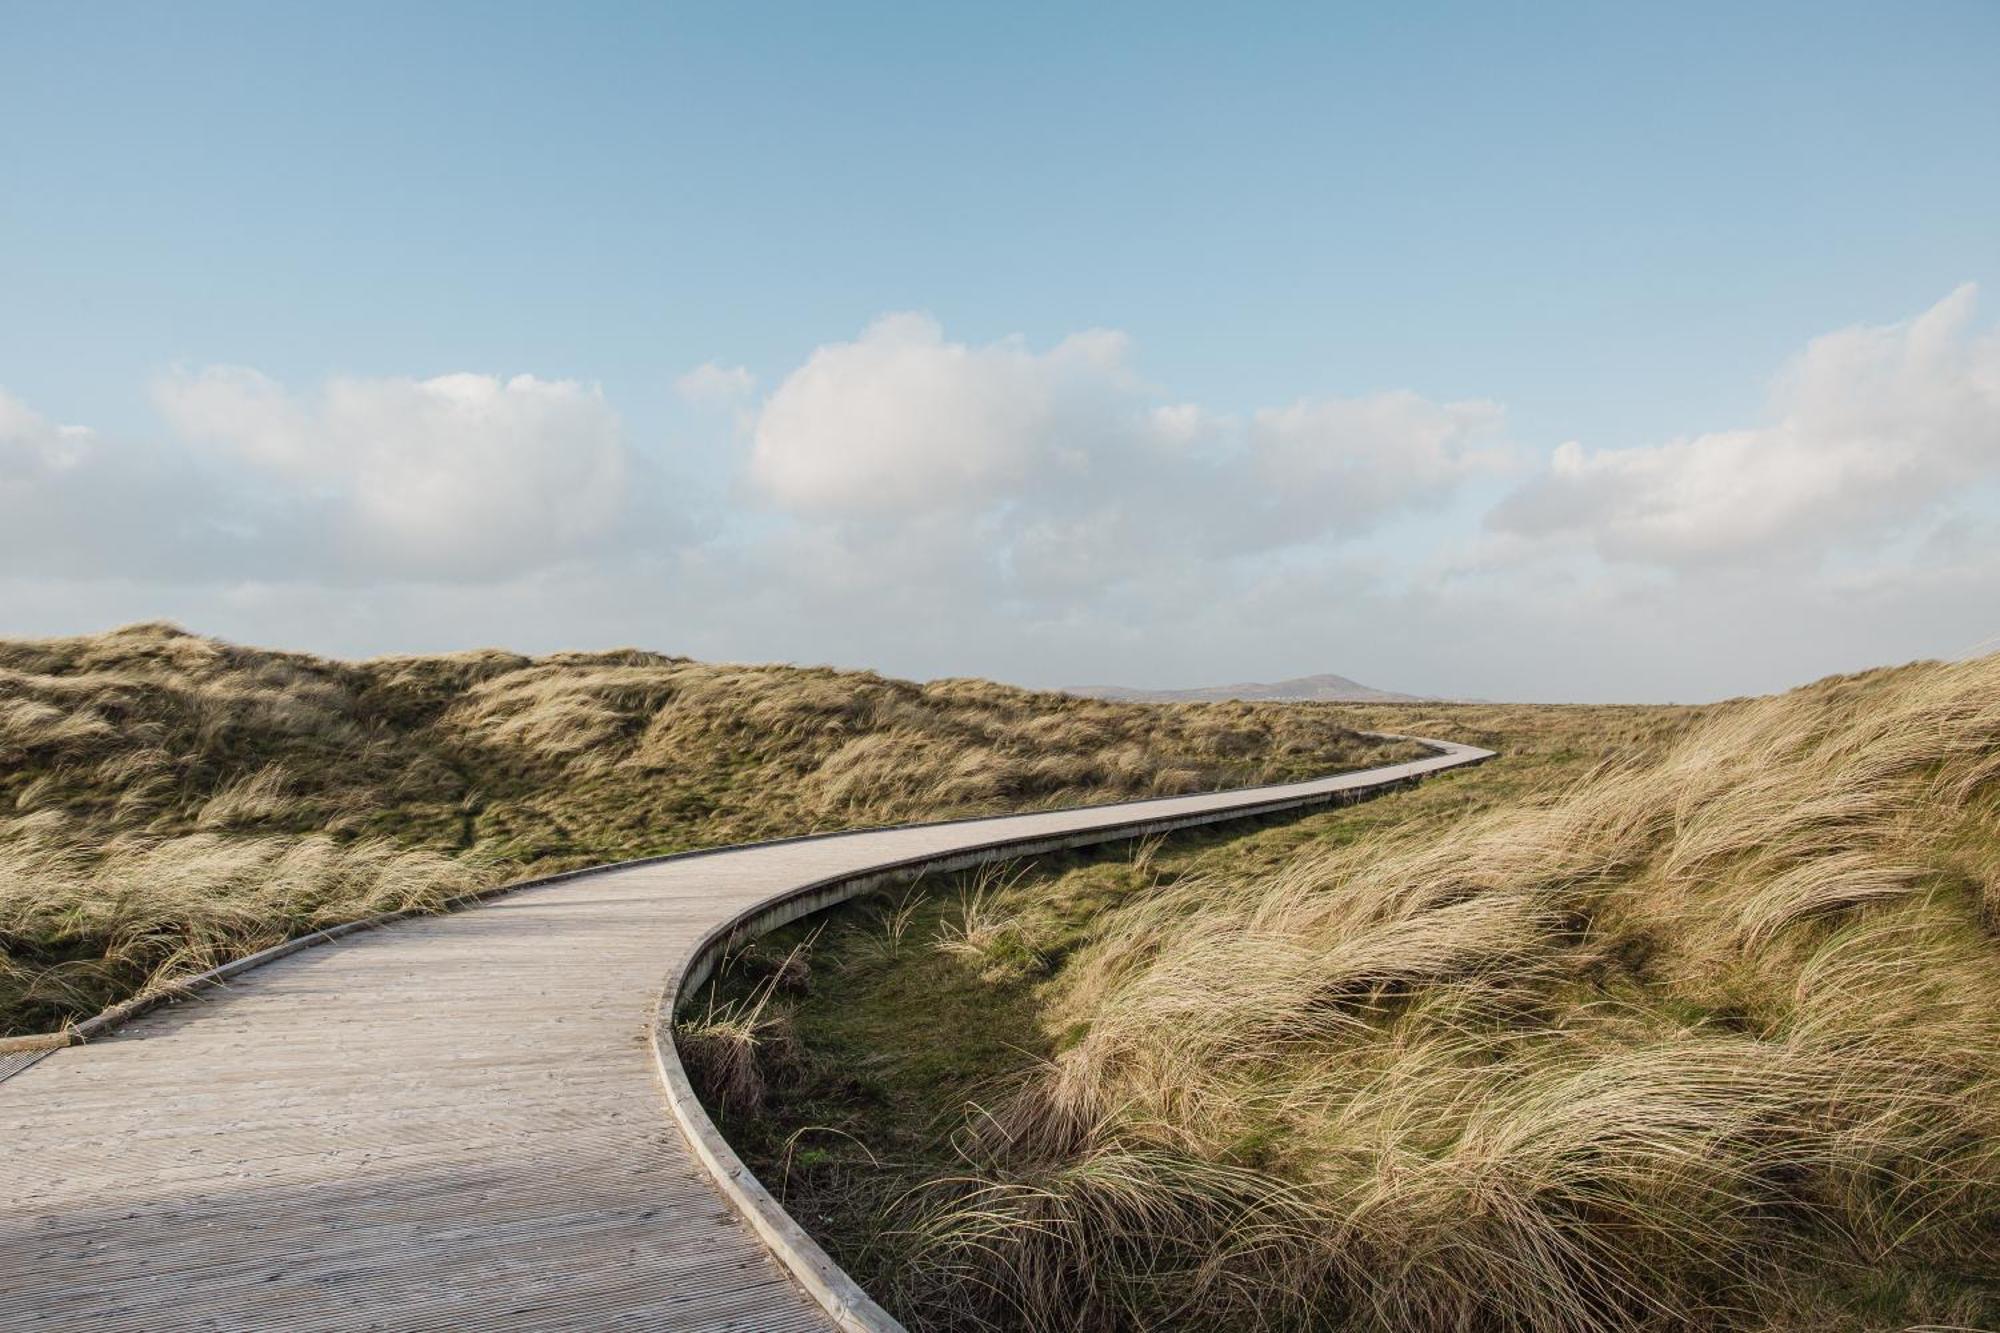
(1870, 428)
(73, 501)
(900, 418)
(456, 476)
(1053, 473)
(32, 447)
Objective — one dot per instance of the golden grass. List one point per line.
(82, 925)
(1707, 1038)
(169, 801)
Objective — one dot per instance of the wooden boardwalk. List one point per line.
(452, 1122)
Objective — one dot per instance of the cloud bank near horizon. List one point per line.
(930, 506)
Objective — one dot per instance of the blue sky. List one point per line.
(1618, 224)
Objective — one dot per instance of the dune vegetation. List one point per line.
(169, 801)
(1668, 1019)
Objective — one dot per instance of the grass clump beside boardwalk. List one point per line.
(168, 802)
(1700, 1035)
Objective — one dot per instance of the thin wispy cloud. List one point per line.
(712, 384)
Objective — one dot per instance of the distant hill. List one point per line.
(1303, 689)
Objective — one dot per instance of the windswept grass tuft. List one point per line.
(735, 1046)
(985, 930)
(85, 927)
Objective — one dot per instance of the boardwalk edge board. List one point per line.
(825, 1281)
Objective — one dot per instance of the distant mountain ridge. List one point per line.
(1325, 688)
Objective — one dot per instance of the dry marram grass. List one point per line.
(1707, 1038)
(169, 801)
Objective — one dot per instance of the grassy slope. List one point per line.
(1704, 1039)
(168, 801)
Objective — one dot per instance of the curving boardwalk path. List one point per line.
(452, 1122)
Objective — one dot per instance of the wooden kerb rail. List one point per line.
(455, 1123)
